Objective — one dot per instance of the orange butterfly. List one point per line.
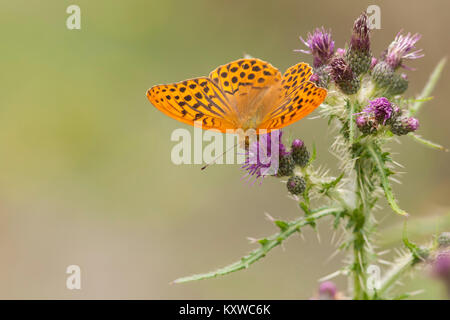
(244, 94)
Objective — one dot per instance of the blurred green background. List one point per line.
(85, 172)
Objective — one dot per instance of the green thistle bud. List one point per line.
(403, 125)
(350, 87)
(359, 61)
(358, 55)
(296, 185)
(422, 254)
(382, 74)
(286, 166)
(398, 85)
(300, 154)
(322, 76)
(444, 239)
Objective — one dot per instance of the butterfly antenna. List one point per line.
(216, 158)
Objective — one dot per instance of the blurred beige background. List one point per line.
(85, 172)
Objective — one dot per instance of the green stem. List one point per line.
(267, 244)
(351, 123)
(359, 267)
(359, 218)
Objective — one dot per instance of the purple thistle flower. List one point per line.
(380, 108)
(366, 124)
(373, 62)
(402, 48)
(297, 144)
(360, 40)
(314, 78)
(262, 157)
(327, 291)
(404, 125)
(340, 70)
(320, 45)
(412, 124)
(441, 265)
(361, 121)
(343, 75)
(340, 52)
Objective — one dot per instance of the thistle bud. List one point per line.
(403, 125)
(327, 291)
(343, 75)
(358, 56)
(382, 74)
(321, 76)
(296, 185)
(300, 154)
(441, 265)
(366, 124)
(373, 63)
(444, 240)
(398, 85)
(286, 165)
(340, 52)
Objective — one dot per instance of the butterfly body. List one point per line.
(244, 94)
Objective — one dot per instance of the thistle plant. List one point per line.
(367, 108)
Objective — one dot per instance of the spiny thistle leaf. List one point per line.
(326, 186)
(383, 171)
(283, 225)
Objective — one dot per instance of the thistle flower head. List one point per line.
(342, 74)
(360, 40)
(340, 52)
(444, 239)
(314, 78)
(296, 185)
(320, 46)
(297, 144)
(373, 62)
(402, 48)
(403, 125)
(366, 124)
(381, 109)
(300, 154)
(262, 157)
(327, 291)
(441, 265)
(340, 70)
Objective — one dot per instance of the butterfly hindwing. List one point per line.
(194, 101)
(300, 102)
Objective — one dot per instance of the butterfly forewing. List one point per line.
(295, 76)
(197, 100)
